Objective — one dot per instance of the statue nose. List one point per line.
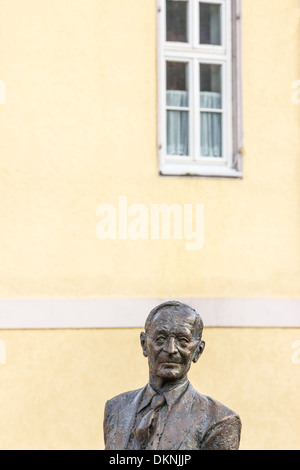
(170, 346)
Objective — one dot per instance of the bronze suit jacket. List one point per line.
(195, 422)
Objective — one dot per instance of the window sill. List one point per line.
(172, 169)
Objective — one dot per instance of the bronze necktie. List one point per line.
(147, 424)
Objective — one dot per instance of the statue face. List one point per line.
(171, 345)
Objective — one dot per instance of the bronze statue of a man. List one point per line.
(168, 414)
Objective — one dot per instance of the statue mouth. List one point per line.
(170, 363)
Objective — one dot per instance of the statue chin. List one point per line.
(170, 371)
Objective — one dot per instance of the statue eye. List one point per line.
(160, 339)
(183, 341)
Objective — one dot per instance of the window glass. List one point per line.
(210, 86)
(176, 99)
(210, 23)
(211, 122)
(177, 20)
(177, 83)
(211, 134)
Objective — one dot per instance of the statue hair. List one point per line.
(177, 307)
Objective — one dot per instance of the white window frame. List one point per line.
(229, 56)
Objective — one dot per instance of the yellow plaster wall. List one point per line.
(79, 129)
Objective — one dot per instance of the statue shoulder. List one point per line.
(122, 399)
(222, 426)
(215, 408)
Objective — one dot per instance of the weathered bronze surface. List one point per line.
(168, 413)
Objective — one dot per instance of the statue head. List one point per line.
(171, 342)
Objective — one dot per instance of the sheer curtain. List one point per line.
(211, 125)
(178, 125)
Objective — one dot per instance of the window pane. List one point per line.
(210, 23)
(177, 133)
(177, 97)
(177, 20)
(177, 84)
(211, 134)
(210, 86)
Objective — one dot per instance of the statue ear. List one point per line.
(199, 350)
(143, 338)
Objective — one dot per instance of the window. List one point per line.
(199, 87)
